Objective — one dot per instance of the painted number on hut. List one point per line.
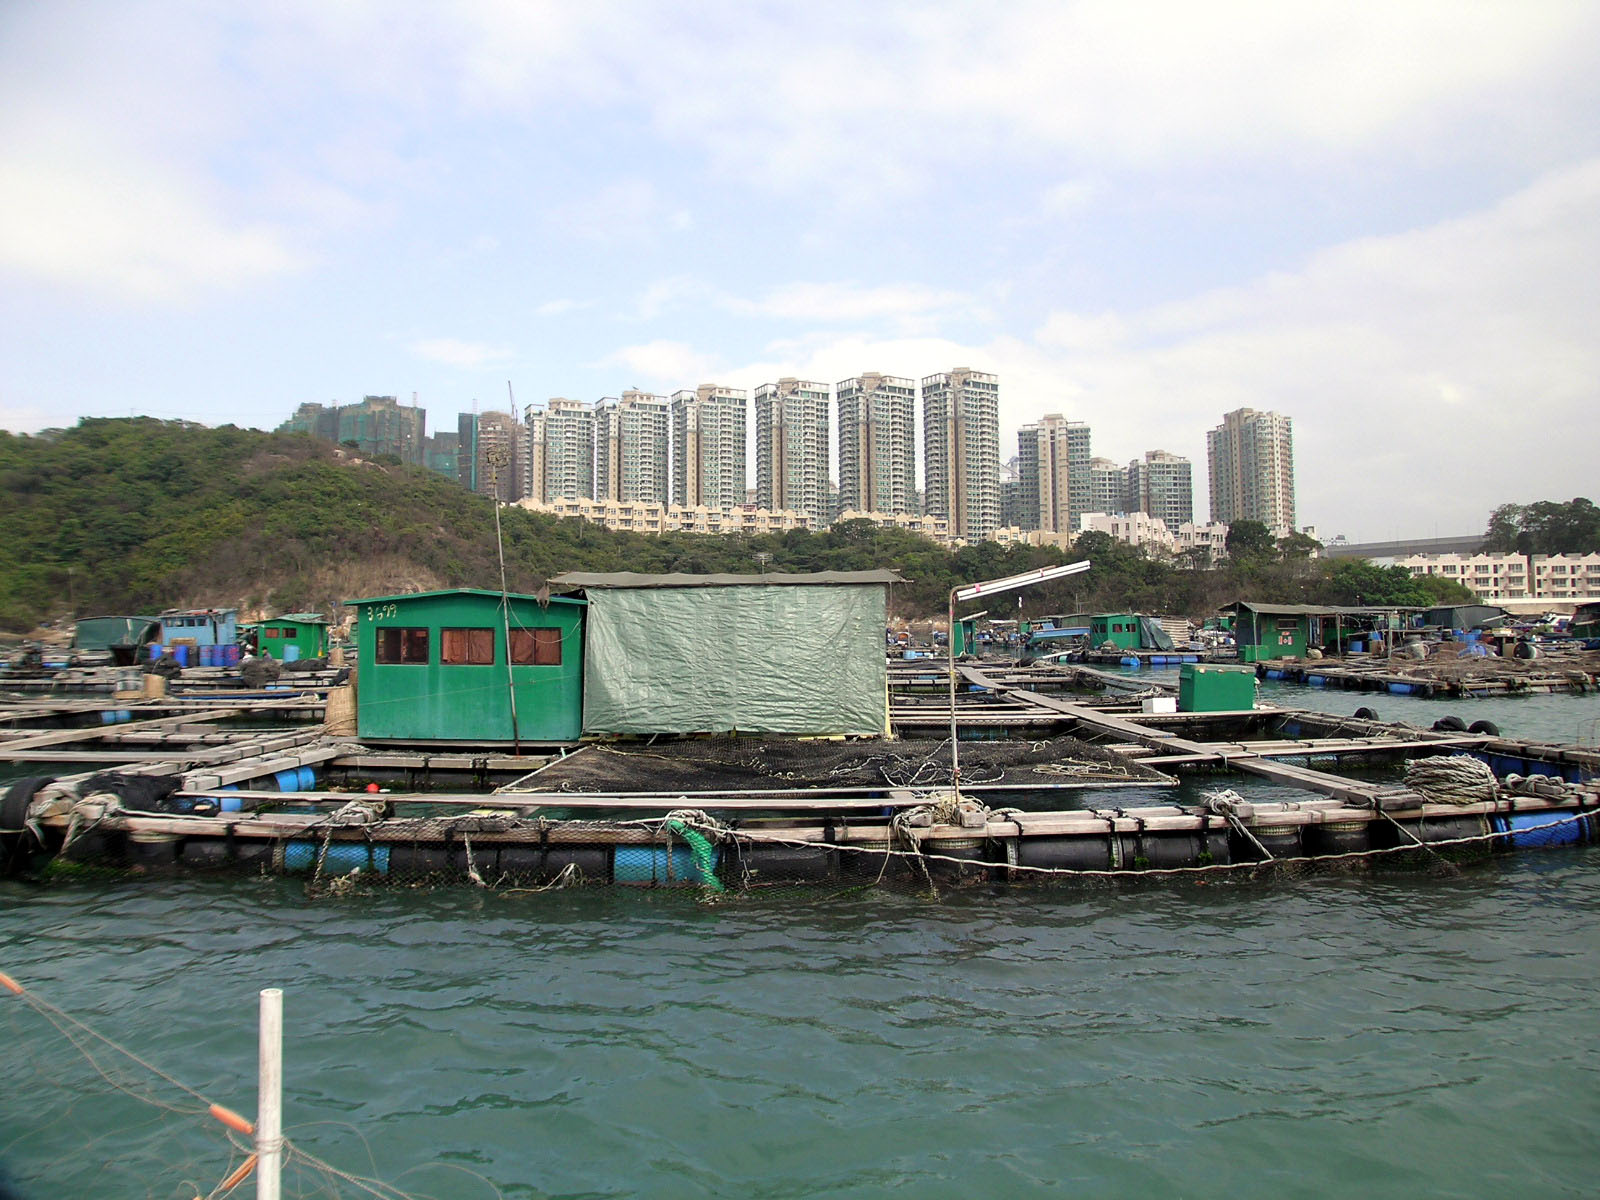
(377, 612)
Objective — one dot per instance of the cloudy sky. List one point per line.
(1383, 220)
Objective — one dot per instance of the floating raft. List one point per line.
(200, 784)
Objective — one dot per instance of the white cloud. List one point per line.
(132, 232)
(665, 365)
(624, 210)
(560, 307)
(1430, 375)
(468, 356)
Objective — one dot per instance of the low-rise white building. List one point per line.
(1136, 528)
(1015, 535)
(934, 528)
(649, 517)
(1566, 576)
(1491, 576)
(1514, 576)
(1212, 537)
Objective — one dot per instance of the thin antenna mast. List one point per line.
(498, 458)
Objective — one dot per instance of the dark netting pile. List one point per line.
(737, 764)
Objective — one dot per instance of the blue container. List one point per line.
(288, 781)
(230, 656)
(1158, 660)
(341, 858)
(1401, 689)
(1525, 829)
(181, 653)
(1317, 680)
(1357, 647)
(649, 865)
(307, 778)
(1130, 660)
(155, 650)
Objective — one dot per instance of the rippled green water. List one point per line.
(1381, 1035)
(1374, 1035)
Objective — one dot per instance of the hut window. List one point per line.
(466, 647)
(397, 645)
(271, 633)
(536, 647)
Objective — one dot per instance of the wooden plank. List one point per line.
(62, 737)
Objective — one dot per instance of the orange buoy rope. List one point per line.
(231, 1119)
(10, 984)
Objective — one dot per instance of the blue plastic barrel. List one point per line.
(230, 656)
(1317, 680)
(1525, 829)
(181, 653)
(1130, 660)
(156, 649)
(1357, 647)
(307, 778)
(288, 781)
(649, 865)
(341, 857)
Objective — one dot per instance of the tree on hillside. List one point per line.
(1545, 527)
(1250, 540)
(1297, 546)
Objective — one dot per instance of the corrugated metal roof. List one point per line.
(1319, 610)
(574, 580)
(306, 618)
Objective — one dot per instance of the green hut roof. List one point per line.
(462, 591)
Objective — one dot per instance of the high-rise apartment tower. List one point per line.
(563, 435)
(708, 446)
(961, 451)
(1057, 452)
(1162, 485)
(630, 448)
(1251, 459)
(877, 443)
(792, 451)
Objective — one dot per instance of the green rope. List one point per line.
(704, 854)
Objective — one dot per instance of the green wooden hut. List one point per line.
(1268, 631)
(432, 667)
(293, 636)
(1120, 629)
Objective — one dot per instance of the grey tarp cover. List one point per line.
(759, 659)
(1153, 637)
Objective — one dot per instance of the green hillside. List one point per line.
(135, 515)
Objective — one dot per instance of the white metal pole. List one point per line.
(955, 754)
(269, 1101)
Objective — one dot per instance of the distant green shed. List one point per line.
(293, 636)
(432, 667)
(1120, 629)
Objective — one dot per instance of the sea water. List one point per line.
(1373, 1034)
(1377, 1034)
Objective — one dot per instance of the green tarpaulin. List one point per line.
(753, 657)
